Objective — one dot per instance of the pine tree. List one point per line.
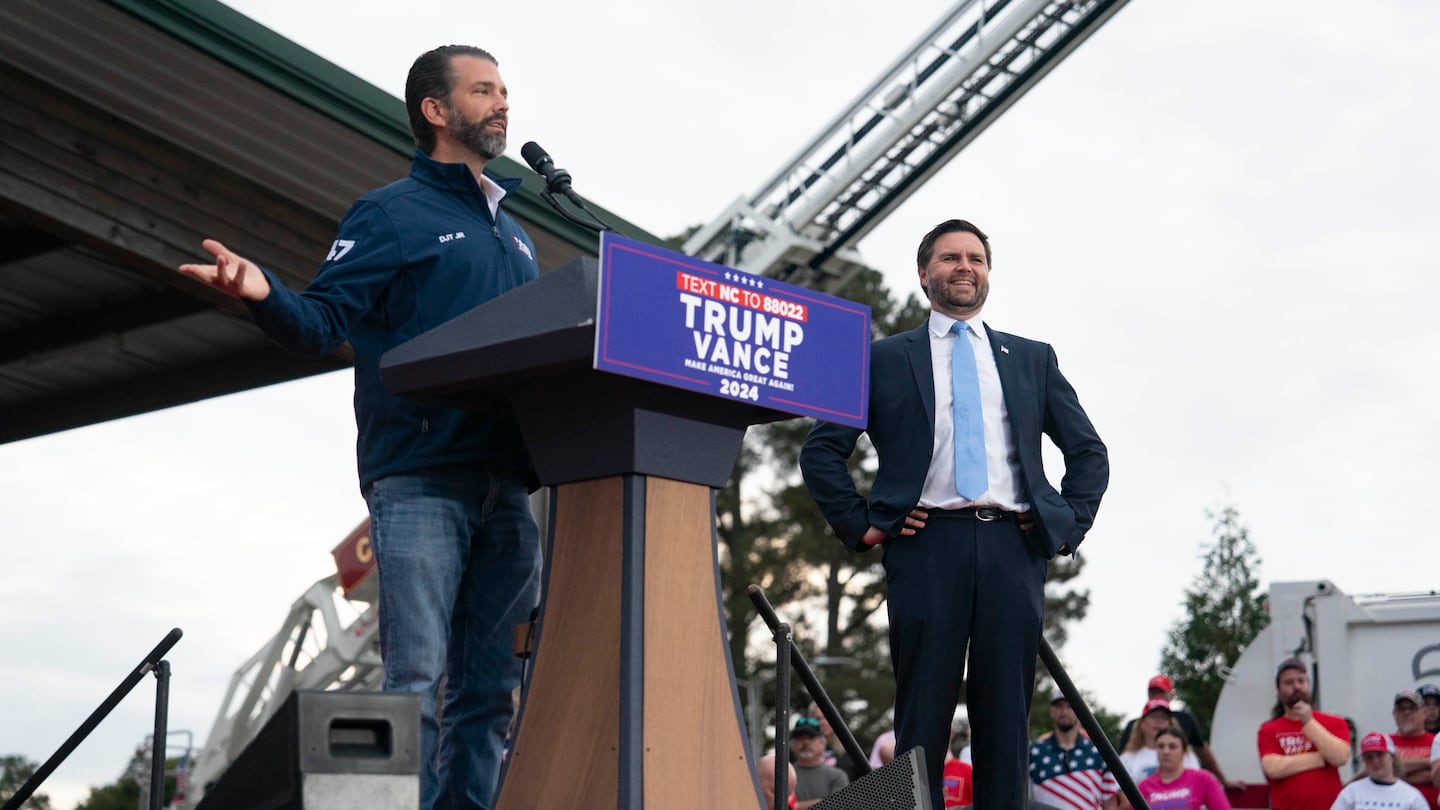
(1225, 610)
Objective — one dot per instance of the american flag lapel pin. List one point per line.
(1004, 349)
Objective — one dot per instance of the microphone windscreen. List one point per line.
(534, 155)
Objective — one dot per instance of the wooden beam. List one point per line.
(140, 394)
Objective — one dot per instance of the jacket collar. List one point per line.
(454, 177)
(918, 350)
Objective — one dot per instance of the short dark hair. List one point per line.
(927, 244)
(1173, 730)
(432, 77)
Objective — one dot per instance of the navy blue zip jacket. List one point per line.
(409, 257)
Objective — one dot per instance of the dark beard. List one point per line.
(940, 293)
(1065, 727)
(1297, 697)
(475, 136)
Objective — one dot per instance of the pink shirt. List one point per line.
(1191, 791)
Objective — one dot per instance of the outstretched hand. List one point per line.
(231, 274)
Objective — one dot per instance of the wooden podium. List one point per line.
(631, 702)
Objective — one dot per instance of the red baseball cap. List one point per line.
(1375, 741)
(1161, 682)
(1157, 703)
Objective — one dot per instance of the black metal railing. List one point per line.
(154, 662)
(847, 739)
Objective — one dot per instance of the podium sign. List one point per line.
(633, 381)
(678, 321)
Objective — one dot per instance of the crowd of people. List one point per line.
(1303, 750)
(1303, 754)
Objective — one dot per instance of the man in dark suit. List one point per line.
(963, 512)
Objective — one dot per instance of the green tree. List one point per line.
(1225, 610)
(15, 770)
(123, 794)
(126, 792)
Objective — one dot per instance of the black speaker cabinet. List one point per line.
(327, 751)
(899, 785)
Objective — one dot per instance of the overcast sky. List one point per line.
(1220, 214)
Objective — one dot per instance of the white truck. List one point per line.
(1361, 651)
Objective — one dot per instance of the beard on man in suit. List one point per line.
(964, 561)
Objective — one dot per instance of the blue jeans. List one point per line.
(458, 557)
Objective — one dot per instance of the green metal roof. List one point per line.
(246, 45)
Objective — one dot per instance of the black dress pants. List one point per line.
(959, 585)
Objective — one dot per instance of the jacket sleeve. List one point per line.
(361, 263)
(1087, 464)
(824, 463)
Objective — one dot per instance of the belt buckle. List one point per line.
(988, 514)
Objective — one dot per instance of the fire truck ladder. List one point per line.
(961, 75)
(326, 641)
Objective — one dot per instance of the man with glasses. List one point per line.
(835, 754)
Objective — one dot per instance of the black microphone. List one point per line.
(557, 181)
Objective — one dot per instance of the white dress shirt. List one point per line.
(1002, 463)
(493, 194)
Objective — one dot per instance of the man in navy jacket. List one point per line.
(963, 571)
(455, 543)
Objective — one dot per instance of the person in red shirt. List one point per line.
(1301, 750)
(1412, 743)
(958, 777)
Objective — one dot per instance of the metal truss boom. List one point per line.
(953, 82)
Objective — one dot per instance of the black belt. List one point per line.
(984, 514)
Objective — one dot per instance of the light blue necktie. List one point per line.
(971, 478)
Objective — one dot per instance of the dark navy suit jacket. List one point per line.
(902, 424)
